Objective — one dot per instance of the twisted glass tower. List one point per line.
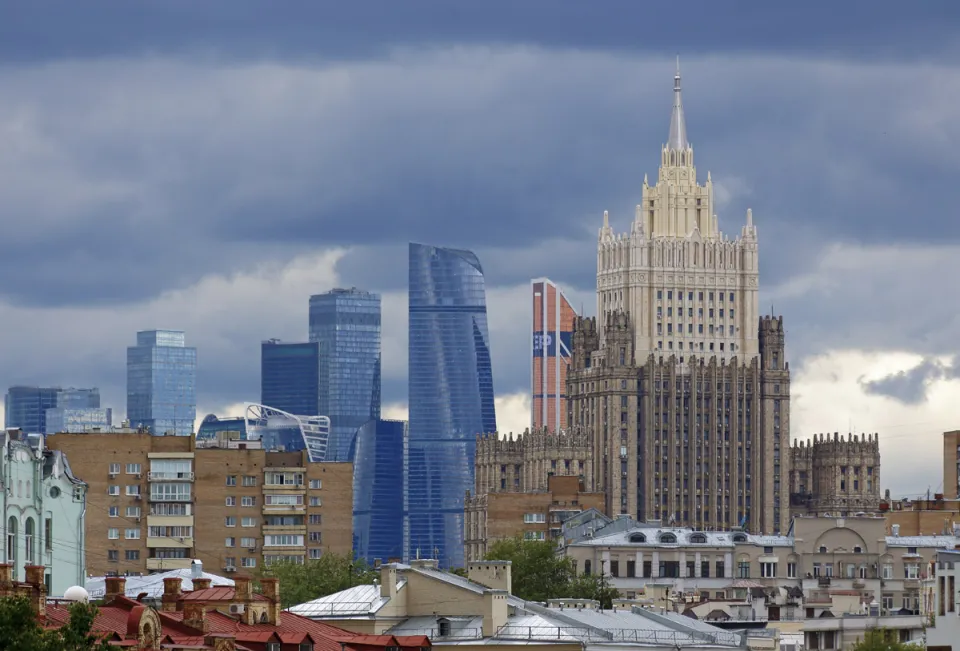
(450, 396)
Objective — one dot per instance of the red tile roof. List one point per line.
(220, 593)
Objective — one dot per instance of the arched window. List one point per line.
(638, 538)
(668, 538)
(12, 541)
(823, 549)
(443, 626)
(587, 567)
(698, 538)
(858, 550)
(28, 540)
(739, 538)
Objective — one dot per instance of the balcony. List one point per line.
(170, 476)
(164, 564)
(280, 509)
(182, 543)
(823, 581)
(298, 529)
(170, 521)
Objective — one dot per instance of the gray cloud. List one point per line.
(909, 387)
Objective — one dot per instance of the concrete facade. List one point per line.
(526, 461)
(157, 502)
(537, 515)
(944, 633)
(688, 441)
(44, 507)
(835, 475)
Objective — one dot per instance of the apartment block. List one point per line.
(157, 502)
(951, 464)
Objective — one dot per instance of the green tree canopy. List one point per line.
(300, 582)
(21, 631)
(882, 639)
(539, 574)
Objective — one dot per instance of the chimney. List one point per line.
(241, 587)
(35, 575)
(6, 578)
(196, 569)
(492, 574)
(195, 616)
(201, 584)
(494, 611)
(388, 581)
(115, 586)
(271, 590)
(171, 593)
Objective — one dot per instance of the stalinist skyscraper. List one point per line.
(683, 387)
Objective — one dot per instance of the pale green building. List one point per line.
(44, 507)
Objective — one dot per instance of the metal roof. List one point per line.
(152, 584)
(358, 601)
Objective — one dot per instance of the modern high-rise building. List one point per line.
(290, 377)
(683, 387)
(78, 410)
(450, 396)
(377, 494)
(552, 340)
(346, 325)
(26, 407)
(162, 383)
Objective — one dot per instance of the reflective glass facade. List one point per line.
(450, 396)
(162, 383)
(279, 430)
(26, 407)
(346, 325)
(78, 420)
(290, 377)
(378, 490)
(212, 425)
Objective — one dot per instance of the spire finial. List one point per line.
(678, 128)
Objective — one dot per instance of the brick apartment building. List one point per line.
(154, 503)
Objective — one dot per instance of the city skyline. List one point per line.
(517, 168)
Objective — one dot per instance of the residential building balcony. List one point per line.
(170, 521)
(299, 529)
(185, 543)
(170, 476)
(164, 564)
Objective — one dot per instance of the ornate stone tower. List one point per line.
(836, 475)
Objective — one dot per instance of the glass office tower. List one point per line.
(290, 377)
(378, 490)
(450, 396)
(77, 411)
(346, 325)
(162, 383)
(26, 407)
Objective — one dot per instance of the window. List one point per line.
(248, 542)
(284, 479)
(133, 489)
(315, 501)
(816, 570)
(170, 532)
(230, 521)
(246, 561)
(230, 561)
(828, 569)
(316, 518)
(249, 480)
(791, 570)
(230, 542)
(113, 555)
(131, 534)
(534, 518)
(114, 512)
(133, 511)
(316, 484)
(114, 469)
(113, 533)
(132, 554)
(48, 534)
(133, 468)
(248, 501)
(911, 570)
(283, 540)
(858, 550)
(170, 469)
(170, 509)
(887, 571)
(315, 553)
(534, 535)
(113, 490)
(823, 550)
(231, 480)
(911, 550)
(316, 536)
(768, 550)
(283, 500)
(231, 500)
(743, 569)
(248, 522)
(171, 492)
(768, 570)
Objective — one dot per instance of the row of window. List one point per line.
(244, 501)
(113, 533)
(275, 479)
(231, 521)
(720, 295)
(131, 468)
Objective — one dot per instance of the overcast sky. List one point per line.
(208, 166)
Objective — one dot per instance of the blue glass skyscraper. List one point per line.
(450, 396)
(346, 325)
(162, 383)
(78, 410)
(290, 377)
(26, 407)
(378, 490)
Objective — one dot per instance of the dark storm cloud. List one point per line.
(44, 29)
(909, 387)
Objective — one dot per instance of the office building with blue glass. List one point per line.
(26, 407)
(162, 383)
(345, 323)
(378, 490)
(290, 377)
(450, 386)
(78, 411)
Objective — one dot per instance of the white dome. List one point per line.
(76, 593)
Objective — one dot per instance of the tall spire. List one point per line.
(678, 128)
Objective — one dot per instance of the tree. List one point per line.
(21, 631)
(882, 639)
(538, 574)
(301, 582)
